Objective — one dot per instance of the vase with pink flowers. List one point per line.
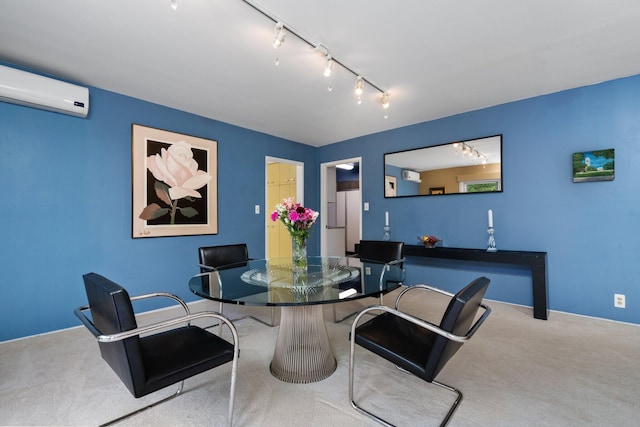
(298, 220)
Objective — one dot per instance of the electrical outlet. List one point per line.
(257, 209)
(619, 301)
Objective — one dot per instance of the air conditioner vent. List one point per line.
(409, 175)
(32, 90)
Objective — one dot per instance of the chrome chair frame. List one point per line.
(422, 323)
(187, 318)
(381, 297)
(207, 269)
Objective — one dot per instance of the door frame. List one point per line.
(299, 191)
(323, 198)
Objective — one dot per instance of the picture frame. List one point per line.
(436, 190)
(390, 186)
(594, 165)
(174, 184)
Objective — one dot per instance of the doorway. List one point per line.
(283, 178)
(340, 207)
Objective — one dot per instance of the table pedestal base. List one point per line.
(303, 353)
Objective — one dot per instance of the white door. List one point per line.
(328, 237)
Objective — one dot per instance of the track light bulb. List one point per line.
(174, 4)
(328, 66)
(359, 86)
(278, 37)
(385, 100)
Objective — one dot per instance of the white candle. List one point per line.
(386, 219)
(490, 213)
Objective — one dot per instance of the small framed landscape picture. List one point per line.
(595, 165)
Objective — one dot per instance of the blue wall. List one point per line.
(66, 206)
(589, 230)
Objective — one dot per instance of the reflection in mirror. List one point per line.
(472, 166)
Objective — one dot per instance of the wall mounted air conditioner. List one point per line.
(408, 175)
(32, 90)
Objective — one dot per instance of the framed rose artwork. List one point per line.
(175, 188)
(390, 186)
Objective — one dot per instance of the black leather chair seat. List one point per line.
(399, 341)
(170, 356)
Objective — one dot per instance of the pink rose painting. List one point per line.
(177, 181)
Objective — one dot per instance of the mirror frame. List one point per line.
(391, 182)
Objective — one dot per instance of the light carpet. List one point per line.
(516, 371)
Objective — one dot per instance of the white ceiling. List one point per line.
(435, 58)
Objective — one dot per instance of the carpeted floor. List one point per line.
(516, 371)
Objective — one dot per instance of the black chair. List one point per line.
(417, 346)
(381, 251)
(147, 360)
(224, 256)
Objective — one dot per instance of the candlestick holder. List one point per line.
(387, 233)
(491, 243)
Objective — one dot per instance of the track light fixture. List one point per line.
(328, 66)
(472, 152)
(359, 86)
(278, 35)
(385, 100)
(359, 89)
(278, 39)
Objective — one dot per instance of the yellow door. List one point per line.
(281, 184)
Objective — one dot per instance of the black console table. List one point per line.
(537, 261)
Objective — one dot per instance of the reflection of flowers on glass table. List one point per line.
(303, 352)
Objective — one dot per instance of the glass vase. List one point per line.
(298, 255)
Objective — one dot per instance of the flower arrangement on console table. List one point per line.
(429, 241)
(298, 220)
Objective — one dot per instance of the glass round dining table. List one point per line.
(303, 352)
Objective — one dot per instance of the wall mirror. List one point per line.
(471, 166)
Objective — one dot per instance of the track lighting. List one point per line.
(359, 88)
(278, 35)
(328, 66)
(385, 100)
(359, 85)
(280, 31)
(174, 4)
(472, 152)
